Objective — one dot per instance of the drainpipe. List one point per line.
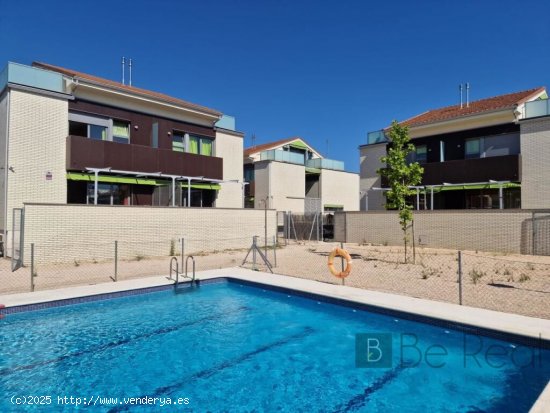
(96, 173)
(173, 191)
(188, 192)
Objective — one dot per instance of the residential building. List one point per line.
(290, 175)
(69, 137)
(488, 153)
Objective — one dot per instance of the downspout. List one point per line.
(173, 191)
(96, 173)
(188, 192)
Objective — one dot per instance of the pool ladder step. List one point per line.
(174, 268)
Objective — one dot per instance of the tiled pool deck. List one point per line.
(491, 322)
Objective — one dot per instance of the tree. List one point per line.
(401, 175)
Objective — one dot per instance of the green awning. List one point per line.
(468, 187)
(299, 144)
(76, 176)
(215, 187)
(312, 171)
(333, 206)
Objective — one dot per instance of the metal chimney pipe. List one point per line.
(123, 64)
(460, 88)
(130, 80)
(467, 94)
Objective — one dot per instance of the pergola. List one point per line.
(491, 184)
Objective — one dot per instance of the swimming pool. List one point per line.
(229, 346)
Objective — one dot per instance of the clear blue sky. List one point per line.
(322, 70)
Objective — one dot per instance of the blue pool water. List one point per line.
(228, 347)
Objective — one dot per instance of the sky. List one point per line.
(327, 71)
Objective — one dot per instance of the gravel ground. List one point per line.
(510, 283)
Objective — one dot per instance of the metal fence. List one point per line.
(502, 282)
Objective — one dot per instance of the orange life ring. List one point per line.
(340, 253)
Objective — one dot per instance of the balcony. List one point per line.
(85, 153)
(376, 137)
(498, 168)
(323, 163)
(31, 76)
(282, 156)
(537, 108)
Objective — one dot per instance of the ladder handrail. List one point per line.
(172, 260)
(186, 262)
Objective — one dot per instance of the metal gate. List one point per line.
(17, 225)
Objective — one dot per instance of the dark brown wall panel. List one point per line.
(85, 153)
(144, 123)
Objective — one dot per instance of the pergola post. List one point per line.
(432, 198)
(96, 173)
(500, 198)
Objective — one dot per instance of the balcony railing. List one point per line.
(376, 137)
(537, 108)
(282, 156)
(85, 153)
(31, 76)
(498, 168)
(323, 163)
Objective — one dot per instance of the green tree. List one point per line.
(401, 175)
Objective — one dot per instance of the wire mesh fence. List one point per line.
(502, 282)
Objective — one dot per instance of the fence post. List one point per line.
(254, 246)
(342, 263)
(32, 267)
(533, 233)
(275, 251)
(116, 261)
(460, 277)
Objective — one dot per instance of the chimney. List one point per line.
(467, 94)
(460, 88)
(123, 64)
(130, 66)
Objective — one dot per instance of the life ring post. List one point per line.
(345, 256)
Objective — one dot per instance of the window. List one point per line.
(109, 194)
(248, 174)
(472, 148)
(200, 145)
(421, 153)
(178, 142)
(121, 132)
(99, 128)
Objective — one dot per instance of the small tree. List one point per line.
(401, 175)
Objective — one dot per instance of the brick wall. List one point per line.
(535, 164)
(507, 231)
(38, 127)
(66, 232)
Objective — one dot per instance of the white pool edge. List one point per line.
(476, 317)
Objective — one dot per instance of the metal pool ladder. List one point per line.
(175, 269)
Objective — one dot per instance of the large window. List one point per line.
(472, 148)
(109, 194)
(200, 145)
(99, 128)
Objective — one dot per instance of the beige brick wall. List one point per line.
(230, 147)
(3, 153)
(369, 164)
(535, 163)
(507, 231)
(340, 188)
(38, 127)
(65, 232)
